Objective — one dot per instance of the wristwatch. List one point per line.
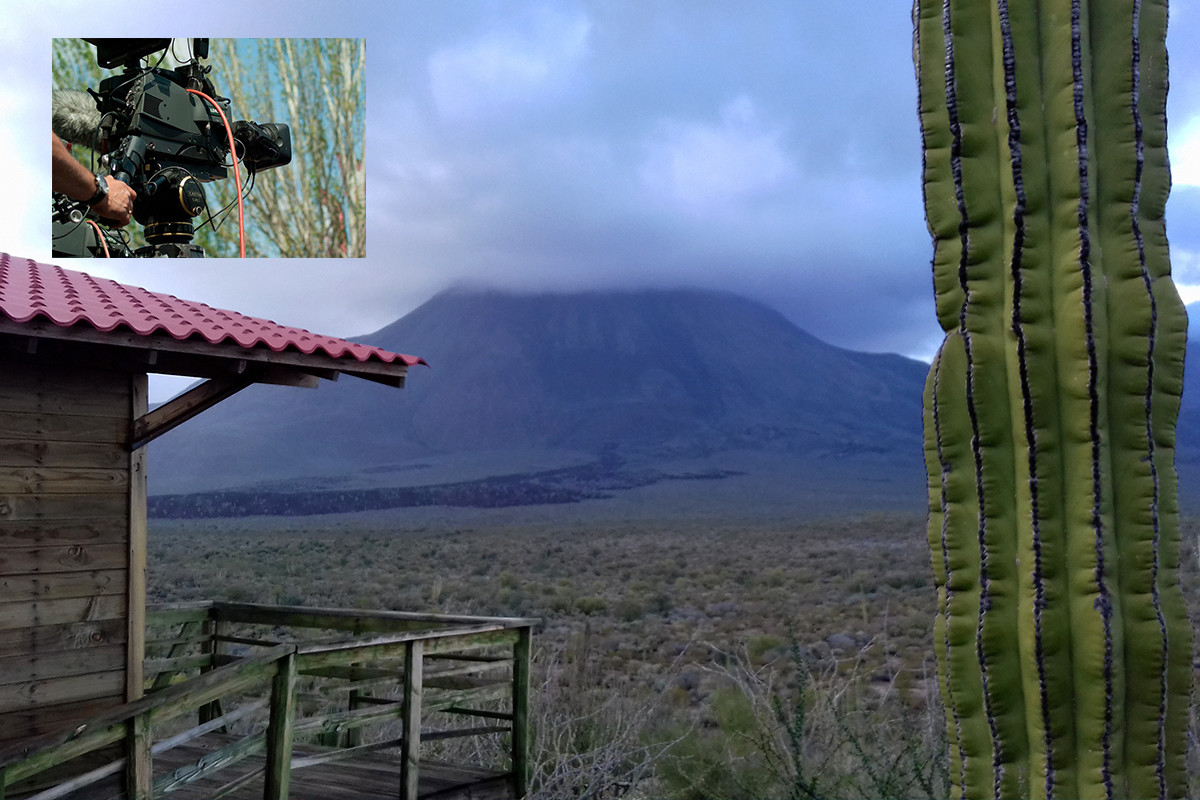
(101, 192)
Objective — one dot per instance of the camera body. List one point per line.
(159, 136)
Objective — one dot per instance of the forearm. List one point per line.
(68, 176)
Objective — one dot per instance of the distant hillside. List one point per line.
(542, 383)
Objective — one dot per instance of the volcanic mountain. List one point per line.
(624, 387)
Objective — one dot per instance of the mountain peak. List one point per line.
(648, 374)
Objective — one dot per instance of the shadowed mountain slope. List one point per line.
(546, 381)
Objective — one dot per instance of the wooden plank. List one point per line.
(247, 709)
(77, 743)
(37, 534)
(410, 764)
(35, 453)
(136, 612)
(162, 615)
(69, 787)
(316, 619)
(76, 391)
(163, 670)
(32, 694)
(55, 507)
(67, 636)
(32, 667)
(58, 376)
(167, 704)
(62, 480)
(155, 646)
(213, 762)
(63, 610)
(457, 683)
(385, 647)
(46, 720)
(68, 558)
(164, 667)
(479, 712)
(350, 619)
(42, 426)
(50, 586)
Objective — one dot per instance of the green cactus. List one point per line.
(1063, 641)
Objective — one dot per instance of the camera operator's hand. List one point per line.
(118, 204)
(72, 179)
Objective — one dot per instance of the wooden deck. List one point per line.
(361, 778)
(281, 702)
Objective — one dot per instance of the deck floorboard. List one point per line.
(368, 777)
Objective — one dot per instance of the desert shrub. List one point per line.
(776, 732)
(591, 605)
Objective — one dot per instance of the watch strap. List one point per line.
(101, 191)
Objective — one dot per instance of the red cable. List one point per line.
(237, 179)
(100, 236)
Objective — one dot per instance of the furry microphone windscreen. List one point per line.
(74, 117)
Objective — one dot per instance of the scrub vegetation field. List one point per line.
(699, 659)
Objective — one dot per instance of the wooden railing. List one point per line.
(300, 687)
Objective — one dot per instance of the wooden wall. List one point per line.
(72, 544)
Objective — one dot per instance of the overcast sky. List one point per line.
(768, 147)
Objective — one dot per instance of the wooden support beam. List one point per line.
(522, 652)
(136, 586)
(411, 750)
(200, 398)
(139, 772)
(279, 730)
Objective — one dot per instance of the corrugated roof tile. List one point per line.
(31, 290)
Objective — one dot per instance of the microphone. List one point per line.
(74, 117)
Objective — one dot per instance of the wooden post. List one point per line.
(209, 711)
(413, 678)
(139, 771)
(279, 729)
(136, 614)
(520, 708)
(354, 735)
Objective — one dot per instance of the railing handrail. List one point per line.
(214, 681)
(383, 615)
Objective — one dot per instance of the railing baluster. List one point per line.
(520, 709)
(139, 774)
(414, 652)
(279, 729)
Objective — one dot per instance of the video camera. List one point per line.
(157, 133)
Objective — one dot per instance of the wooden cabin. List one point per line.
(75, 352)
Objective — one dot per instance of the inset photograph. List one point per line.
(218, 148)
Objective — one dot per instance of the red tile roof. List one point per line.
(30, 290)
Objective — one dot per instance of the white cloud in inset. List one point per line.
(508, 67)
(711, 167)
